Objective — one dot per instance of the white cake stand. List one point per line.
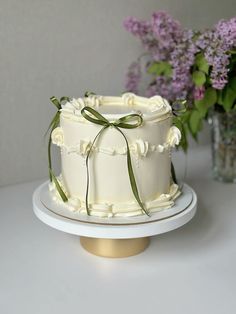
(114, 237)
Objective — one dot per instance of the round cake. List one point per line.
(116, 155)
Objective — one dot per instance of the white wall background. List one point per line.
(65, 47)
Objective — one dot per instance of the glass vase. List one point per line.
(223, 134)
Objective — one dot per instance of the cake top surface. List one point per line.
(153, 108)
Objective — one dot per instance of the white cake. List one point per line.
(110, 193)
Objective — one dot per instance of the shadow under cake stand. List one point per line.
(114, 237)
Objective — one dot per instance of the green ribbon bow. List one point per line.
(54, 123)
(130, 121)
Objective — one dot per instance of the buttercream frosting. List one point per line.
(139, 148)
(107, 209)
(150, 144)
(154, 108)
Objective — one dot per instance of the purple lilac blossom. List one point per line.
(165, 29)
(198, 92)
(133, 77)
(182, 59)
(142, 30)
(217, 44)
(166, 33)
(161, 86)
(215, 52)
(227, 30)
(136, 27)
(164, 39)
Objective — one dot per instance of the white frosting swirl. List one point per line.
(74, 203)
(174, 136)
(128, 99)
(152, 109)
(93, 100)
(57, 136)
(140, 147)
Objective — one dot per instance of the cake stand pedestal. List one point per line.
(114, 237)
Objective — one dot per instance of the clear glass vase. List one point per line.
(223, 134)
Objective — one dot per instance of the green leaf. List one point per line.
(160, 68)
(232, 83)
(168, 70)
(195, 122)
(201, 63)
(153, 68)
(209, 99)
(228, 98)
(201, 107)
(185, 117)
(199, 78)
(219, 97)
(184, 141)
(179, 123)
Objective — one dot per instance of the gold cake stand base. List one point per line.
(114, 247)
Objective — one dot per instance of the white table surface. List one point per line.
(189, 270)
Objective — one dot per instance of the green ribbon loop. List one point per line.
(130, 121)
(88, 93)
(179, 107)
(54, 123)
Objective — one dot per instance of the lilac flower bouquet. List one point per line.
(199, 66)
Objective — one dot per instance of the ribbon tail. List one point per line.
(58, 187)
(52, 126)
(54, 123)
(131, 175)
(49, 158)
(52, 177)
(87, 168)
(57, 103)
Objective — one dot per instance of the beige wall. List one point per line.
(65, 47)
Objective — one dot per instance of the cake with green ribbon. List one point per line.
(115, 155)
